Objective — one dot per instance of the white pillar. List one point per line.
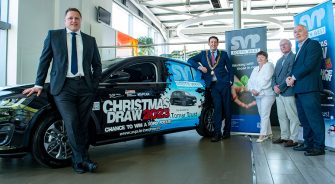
(237, 14)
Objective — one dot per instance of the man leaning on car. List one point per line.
(74, 78)
(217, 72)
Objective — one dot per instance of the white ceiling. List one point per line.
(173, 13)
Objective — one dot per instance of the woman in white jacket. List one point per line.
(259, 85)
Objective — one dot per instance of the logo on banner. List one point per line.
(314, 21)
(180, 72)
(240, 44)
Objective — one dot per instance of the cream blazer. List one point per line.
(260, 80)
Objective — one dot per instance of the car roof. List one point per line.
(109, 63)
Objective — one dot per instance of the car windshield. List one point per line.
(107, 63)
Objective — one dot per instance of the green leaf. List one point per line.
(244, 80)
(239, 84)
(145, 50)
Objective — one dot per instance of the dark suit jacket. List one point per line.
(55, 50)
(223, 71)
(282, 71)
(306, 68)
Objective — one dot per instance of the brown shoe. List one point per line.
(290, 143)
(279, 141)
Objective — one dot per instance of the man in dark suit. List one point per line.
(218, 75)
(74, 78)
(285, 100)
(306, 79)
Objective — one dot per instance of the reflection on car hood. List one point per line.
(4, 91)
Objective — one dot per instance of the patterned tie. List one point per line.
(74, 59)
(213, 59)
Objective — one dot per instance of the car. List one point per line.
(182, 98)
(132, 101)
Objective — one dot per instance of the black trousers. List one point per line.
(74, 103)
(222, 108)
(310, 116)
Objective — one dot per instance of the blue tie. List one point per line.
(74, 59)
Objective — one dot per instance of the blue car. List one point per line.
(132, 101)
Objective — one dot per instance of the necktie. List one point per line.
(283, 61)
(213, 59)
(74, 59)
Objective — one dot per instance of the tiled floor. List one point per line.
(184, 158)
(276, 164)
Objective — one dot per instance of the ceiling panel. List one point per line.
(173, 13)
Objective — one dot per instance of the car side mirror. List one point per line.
(119, 76)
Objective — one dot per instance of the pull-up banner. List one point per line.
(319, 21)
(242, 46)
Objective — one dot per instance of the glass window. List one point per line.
(144, 72)
(120, 19)
(4, 26)
(140, 28)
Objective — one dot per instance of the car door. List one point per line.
(130, 100)
(185, 93)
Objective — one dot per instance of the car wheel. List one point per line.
(50, 146)
(206, 124)
(183, 103)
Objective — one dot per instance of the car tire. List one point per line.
(183, 102)
(49, 145)
(206, 124)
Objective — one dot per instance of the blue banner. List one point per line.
(242, 46)
(319, 21)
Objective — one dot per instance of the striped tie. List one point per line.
(213, 59)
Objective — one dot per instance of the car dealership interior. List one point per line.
(153, 116)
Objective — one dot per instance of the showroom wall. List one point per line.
(31, 23)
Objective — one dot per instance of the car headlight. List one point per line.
(11, 102)
(17, 102)
(14, 109)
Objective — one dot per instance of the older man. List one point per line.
(307, 84)
(285, 100)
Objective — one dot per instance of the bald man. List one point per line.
(285, 100)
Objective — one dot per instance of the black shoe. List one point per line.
(290, 143)
(90, 166)
(216, 138)
(314, 152)
(279, 141)
(78, 168)
(225, 136)
(301, 147)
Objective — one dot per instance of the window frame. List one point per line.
(4, 27)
